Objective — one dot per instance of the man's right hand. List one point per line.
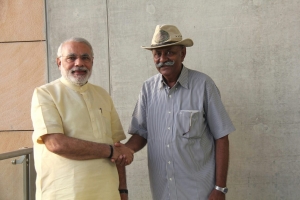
(122, 155)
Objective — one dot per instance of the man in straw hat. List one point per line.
(180, 115)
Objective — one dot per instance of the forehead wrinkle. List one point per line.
(71, 54)
(70, 47)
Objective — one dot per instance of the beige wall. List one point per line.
(23, 67)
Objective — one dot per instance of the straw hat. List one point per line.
(168, 35)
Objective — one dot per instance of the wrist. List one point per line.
(123, 191)
(224, 190)
(111, 151)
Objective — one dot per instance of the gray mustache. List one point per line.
(79, 69)
(169, 63)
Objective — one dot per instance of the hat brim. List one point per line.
(186, 42)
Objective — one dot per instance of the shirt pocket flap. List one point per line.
(189, 123)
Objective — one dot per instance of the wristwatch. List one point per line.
(224, 190)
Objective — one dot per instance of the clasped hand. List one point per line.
(122, 155)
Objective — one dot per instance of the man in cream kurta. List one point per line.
(75, 127)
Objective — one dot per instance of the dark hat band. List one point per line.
(164, 43)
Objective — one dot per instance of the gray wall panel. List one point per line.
(249, 47)
(87, 19)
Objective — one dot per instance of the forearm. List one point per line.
(122, 177)
(74, 148)
(122, 182)
(222, 161)
(136, 142)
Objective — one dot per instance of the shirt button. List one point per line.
(169, 112)
(168, 146)
(170, 96)
(170, 179)
(169, 128)
(169, 162)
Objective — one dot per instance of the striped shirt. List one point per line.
(180, 125)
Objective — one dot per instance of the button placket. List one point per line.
(91, 112)
(169, 145)
(170, 173)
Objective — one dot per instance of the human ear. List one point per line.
(183, 53)
(58, 62)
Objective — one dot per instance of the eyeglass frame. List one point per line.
(73, 57)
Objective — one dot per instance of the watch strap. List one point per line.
(123, 191)
(111, 152)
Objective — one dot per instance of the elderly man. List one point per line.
(180, 115)
(75, 126)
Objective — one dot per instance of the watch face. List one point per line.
(225, 190)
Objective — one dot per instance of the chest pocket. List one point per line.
(104, 122)
(190, 123)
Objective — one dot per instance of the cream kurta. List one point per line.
(86, 113)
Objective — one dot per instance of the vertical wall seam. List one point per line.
(47, 44)
(108, 49)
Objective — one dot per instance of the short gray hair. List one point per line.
(73, 39)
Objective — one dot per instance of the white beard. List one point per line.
(79, 80)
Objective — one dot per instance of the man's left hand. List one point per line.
(216, 195)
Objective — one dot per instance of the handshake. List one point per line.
(121, 154)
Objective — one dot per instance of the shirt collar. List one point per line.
(73, 86)
(183, 78)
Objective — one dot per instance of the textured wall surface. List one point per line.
(23, 64)
(21, 20)
(87, 19)
(249, 47)
(23, 67)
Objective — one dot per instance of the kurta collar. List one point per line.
(73, 86)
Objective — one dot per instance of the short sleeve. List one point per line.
(138, 123)
(116, 126)
(44, 115)
(217, 118)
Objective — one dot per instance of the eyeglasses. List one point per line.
(72, 58)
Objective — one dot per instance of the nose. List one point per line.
(163, 58)
(79, 61)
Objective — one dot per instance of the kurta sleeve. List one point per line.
(44, 114)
